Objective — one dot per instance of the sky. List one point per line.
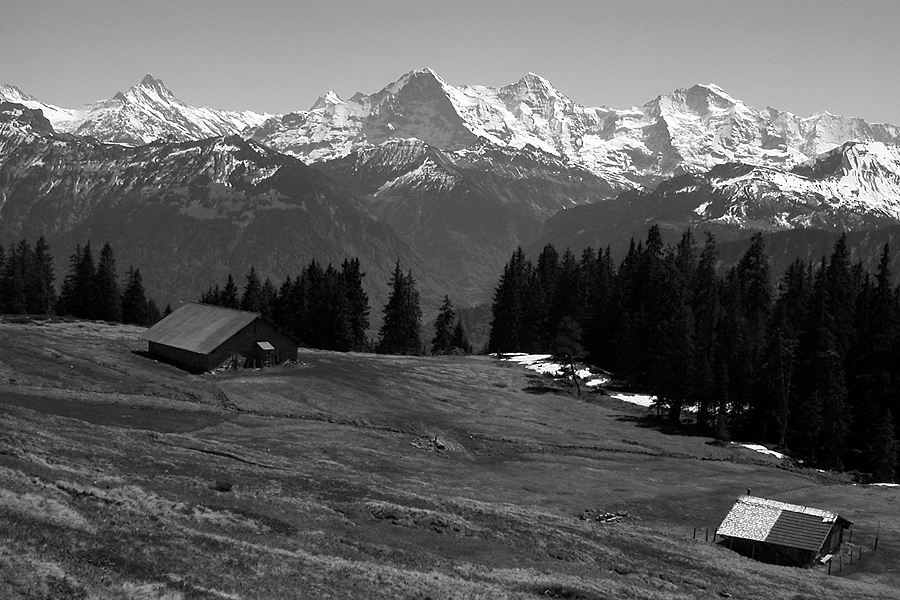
(277, 56)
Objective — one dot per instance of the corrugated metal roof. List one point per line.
(199, 328)
(798, 530)
(775, 522)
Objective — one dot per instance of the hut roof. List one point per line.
(774, 522)
(199, 328)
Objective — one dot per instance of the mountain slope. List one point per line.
(855, 187)
(146, 112)
(187, 213)
(686, 131)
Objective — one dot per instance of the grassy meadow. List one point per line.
(365, 476)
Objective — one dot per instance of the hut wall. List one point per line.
(244, 343)
(770, 553)
(184, 358)
(834, 539)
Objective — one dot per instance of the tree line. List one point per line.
(328, 308)
(90, 290)
(808, 363)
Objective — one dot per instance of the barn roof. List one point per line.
(199, 328)
(774, 522)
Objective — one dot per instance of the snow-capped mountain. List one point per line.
(685, 131)
(146, 112)
(187, 213)
(854, 187)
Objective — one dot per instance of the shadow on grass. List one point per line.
(166, 361)
(666, 426)
(543, 389)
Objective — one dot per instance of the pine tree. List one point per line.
(443, 328)
(107, 301)
(508, 310)
(85, 274)
(252, 299)
(135, 308)
(212, 295)
(460, 339)
(401, 329)
(357, 303)
(14, 278)
(42, 294)
(153, 314)
(229, 295)
(268, 297)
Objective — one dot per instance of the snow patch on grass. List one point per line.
(545, 365)
(644, 400)
(763, 450)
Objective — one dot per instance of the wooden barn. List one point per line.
(780, 533)
(201, 337)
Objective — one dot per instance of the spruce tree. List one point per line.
(357, 303)
(135, 308)
(460, 339)
(85, 274)
(252, 298)
(107, 299)
(42, 294)
(443, 328)
(14, 278)
(401, 329)
(229, 295)
(508, 327)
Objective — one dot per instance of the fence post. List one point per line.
(877, 533)
(707, 534)
(829, 567)
(695, 533)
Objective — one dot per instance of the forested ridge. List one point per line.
(91, 289)
(328, 308)
(807, 363)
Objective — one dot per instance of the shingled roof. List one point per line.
(199, 328)
(773, 522)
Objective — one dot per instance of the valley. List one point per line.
(356, 475)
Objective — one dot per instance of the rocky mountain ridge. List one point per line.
(144, 113)
(686, 131)
(464, 174)
(187, 213)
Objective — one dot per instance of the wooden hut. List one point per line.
(780, 533)
(201, 337)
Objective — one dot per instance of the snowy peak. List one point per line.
(146, 112)
(11, 93)
(688, 130)
(329, 99)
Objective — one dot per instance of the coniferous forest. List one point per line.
(808, 362)
(325, 308)
(90, 290)
(329, 309)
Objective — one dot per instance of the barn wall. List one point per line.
(834, 539)
(244, 343)
(770, 553)
(183, 358)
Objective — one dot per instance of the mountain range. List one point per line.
(448, 179)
